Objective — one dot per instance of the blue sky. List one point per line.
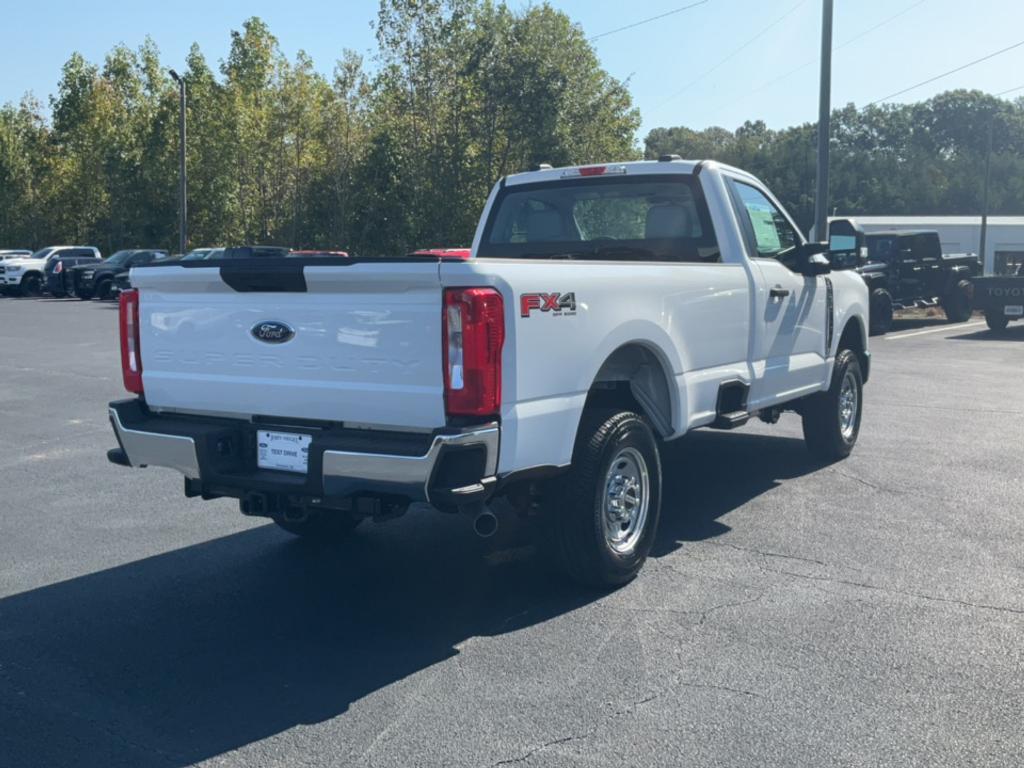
(676, 66)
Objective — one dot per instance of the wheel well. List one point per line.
(853, 339)
(634, 377)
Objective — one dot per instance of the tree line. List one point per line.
(401, 152)
(917, 159)
(461, 92)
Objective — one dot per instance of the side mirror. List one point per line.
(846, 244)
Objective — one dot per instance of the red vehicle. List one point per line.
(444, 253)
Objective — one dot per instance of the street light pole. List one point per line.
(820, 231)
(983, 245)
(182, 178)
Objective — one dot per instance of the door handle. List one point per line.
(778, 292)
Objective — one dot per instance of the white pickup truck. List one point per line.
(604, 309)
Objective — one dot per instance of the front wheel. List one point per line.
(602, 524)
(103, 289)
(832, 418)
(31, 285)
(996, 322)
(957, 305)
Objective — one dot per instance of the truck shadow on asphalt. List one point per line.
(189, 654)
(1013, 332)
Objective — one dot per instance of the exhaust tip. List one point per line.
(485, 524)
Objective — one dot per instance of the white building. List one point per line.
(1004, 248)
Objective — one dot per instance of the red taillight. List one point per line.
(59, 268)
(474, 331)
(131, 358)
(593, 170)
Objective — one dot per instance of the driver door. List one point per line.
(789, 351)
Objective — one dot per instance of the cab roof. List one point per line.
(665, 165)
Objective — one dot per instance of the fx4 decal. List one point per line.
(558, 303)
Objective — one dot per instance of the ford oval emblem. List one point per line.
(272, 332)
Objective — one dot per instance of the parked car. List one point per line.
(27, 275)
(57, 273)
(908, 269)
(97, 280)
(606, 309)
(1000, 298)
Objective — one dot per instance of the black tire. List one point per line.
(996, 323)
(329, 525)
(957, 303)
(103, 289)
(84, 295)
(32, 285)
(575, 529)
(880, 312)
(824, 432)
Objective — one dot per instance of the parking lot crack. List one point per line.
(714, 687)
(904, 592)
(628, 710)
(868, 483)
(765, 553)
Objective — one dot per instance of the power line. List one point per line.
(1010, 90)
(880, 24)
(855, 38)
(839, 47)
(647, 21)
(745, 45)
(950, 72)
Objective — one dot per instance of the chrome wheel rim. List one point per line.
(627, 498)
(849, 402)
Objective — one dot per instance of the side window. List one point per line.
(773, 234)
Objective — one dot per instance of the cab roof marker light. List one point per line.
(594, 170)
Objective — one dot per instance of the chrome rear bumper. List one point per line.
(215, 454)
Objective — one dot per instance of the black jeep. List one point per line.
(908, 269)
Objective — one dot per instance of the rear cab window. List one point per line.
(641, 218)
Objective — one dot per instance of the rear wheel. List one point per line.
(880, 311)
(84, 295)
(602, 523)
(32, 285)
(328, 525)
(957, 303)
(832, 418)
(996, 322)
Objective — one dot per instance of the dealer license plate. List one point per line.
(286, 451)
(1014, 310)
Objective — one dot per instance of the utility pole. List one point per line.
(984, 197)
(820, 231)
(182, 178)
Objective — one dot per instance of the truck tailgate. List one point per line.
(357, 343)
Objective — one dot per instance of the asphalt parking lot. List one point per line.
(864, 614)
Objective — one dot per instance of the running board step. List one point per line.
(731, 420)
